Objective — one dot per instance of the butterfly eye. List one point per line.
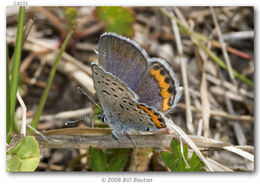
(147, 129)
(102, 118)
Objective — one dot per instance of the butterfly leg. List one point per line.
(128, 135)
(115, 135)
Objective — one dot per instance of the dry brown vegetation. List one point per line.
(217, 103)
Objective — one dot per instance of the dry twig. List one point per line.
(102, 138)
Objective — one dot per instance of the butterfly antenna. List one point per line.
(88, 115)
(90, 98)
(75, 121)
(82, 118)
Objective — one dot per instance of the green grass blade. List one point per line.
(8, 125)
(15, 68)
(44, 97)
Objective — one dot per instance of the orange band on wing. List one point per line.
(154, 117)
(164, 87)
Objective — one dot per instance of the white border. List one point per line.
(164, 179)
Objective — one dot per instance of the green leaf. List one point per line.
(25, 156)
(107, 160)
(118, 19)
(13, 163)
(110, 153)
(117, 158)
(175, 161)
(195, 163)
(176, 149)
(169, 160)
(97, 160)
(117, 163)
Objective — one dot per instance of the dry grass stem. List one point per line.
(221, 114)
(240, 136)
(24, 109)
(218, 167)
(189, 123)
(102, 138)
(230, 86)
(64, 115)
(27, 29)
(205, 109)
(223, 46)
(238, 35)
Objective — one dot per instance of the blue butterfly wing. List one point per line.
(126, 60)
(123, 58)
(159, 86)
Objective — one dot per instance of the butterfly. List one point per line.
(135, 91)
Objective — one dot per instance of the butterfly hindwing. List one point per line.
(109, 89)
(139, 117)
(159, 86)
